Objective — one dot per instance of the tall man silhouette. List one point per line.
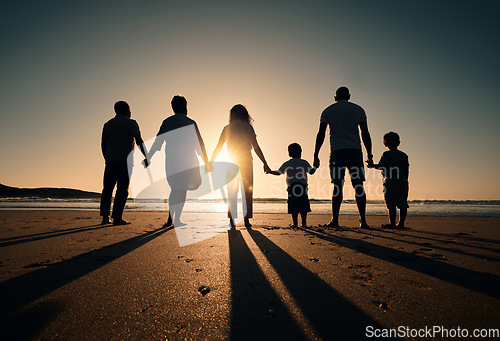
(183, 143)
(118, 135)
(344, 118)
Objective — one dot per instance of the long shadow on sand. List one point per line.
(393, 236)
(257, 311)
(486, 284)
(444, 241)
(45, 235)
(15, 293)
(332, 316)
(460, 235)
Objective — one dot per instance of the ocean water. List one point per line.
(440, 208)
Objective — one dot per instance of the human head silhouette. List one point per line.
(239, 113)
(391, 140)
(295, 150)
(122, 108)
(179, 104)
(342, 93)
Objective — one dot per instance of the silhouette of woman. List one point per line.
(240, 137)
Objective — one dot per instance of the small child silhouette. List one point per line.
(296, 170)
(395, 169)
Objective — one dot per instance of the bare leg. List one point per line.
(304, 219)
(247, 192)
(295, 217)
(337, 197)
(361, 202)
(176, 200)
(232, 224)
(232, 198)
(169, 220)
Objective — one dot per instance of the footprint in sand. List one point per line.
(362, 274)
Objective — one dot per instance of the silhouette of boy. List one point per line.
(395, 169)
(296, 170)
(118, 135)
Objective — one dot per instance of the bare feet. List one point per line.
(169, 221)
(105, 221)
(363, 224)
(332, 224)
(120, 222)
(179, 223)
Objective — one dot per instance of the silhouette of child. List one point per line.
(296, 170)
(395, 169)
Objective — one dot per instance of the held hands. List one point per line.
(209, 167)
(316, 161)
(267, 170)
(369, 162)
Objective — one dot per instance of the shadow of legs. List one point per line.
(257, 312)
(332, 316)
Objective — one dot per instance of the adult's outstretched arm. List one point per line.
(142, 147)
(222, 140)
(260, 154)
(367, 140)
(320, 138)
(208, 168)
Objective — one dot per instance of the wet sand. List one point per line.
(64, 277)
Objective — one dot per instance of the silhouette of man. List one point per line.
(118, 136)
(183, 142)
(344, 118)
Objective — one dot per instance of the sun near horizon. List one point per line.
(61, 77)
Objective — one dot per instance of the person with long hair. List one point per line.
(241, 138)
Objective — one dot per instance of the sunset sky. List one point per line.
(428, 70)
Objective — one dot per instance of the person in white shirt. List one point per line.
(296, 170)
(344, 118)
(183, 143)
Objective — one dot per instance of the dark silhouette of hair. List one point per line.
(122, 108)
(294, 150)
(342, 93)
(391, 139)
(239, 113)
(179, 104)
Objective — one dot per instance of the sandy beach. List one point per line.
(64, 277)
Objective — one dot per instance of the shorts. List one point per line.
(351, 159)
(298, 200)
(396, 195)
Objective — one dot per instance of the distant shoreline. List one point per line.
(12, 194)
(209, 206)
(46, 192)
(96, 197)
